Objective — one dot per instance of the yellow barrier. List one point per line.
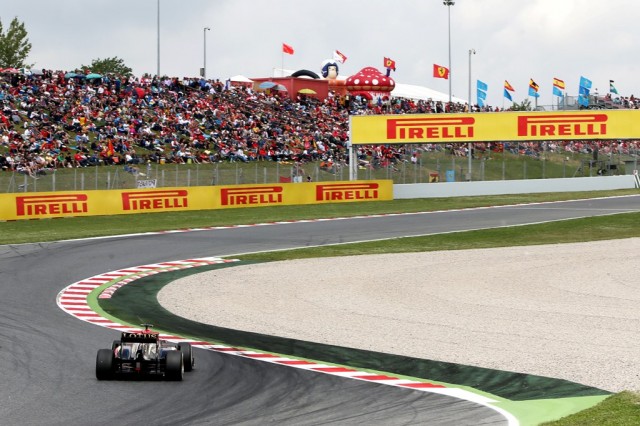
(40, 205)
(488, 127)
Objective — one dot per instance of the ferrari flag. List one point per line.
(440, 71)
(389, 63)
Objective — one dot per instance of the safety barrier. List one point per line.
(42, 205)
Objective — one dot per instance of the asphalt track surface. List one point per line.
(47, 357)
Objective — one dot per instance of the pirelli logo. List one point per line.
(562, 125)
(251, 196)
(427, 128)
(347, 192)
(154, 200)
(45, 205)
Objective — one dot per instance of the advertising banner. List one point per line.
(41, 205)
(490, 127)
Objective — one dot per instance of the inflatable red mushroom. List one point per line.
(369, 82)
(370, 79)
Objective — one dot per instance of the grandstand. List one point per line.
(56, 120)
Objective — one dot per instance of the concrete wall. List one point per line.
(498, 187)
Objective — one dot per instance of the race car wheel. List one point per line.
(174, 369)
(115, 344)
(187, 356)
(104, 364)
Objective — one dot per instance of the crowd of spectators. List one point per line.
(57, 120)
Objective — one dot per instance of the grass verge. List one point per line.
(622, 409)
(569, 231)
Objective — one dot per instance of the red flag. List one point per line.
(287, 49)
(389, 63)
(110, 150)
(440, 71)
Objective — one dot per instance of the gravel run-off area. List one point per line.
(569, 311)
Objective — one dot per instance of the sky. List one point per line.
(514, 40)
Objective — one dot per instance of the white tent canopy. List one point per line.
(240, 79)
(422, 93)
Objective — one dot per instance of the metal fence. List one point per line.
(430, 168)
(572, 103)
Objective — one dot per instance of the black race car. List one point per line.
(143, 353)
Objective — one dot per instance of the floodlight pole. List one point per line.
(158, 70)
(449, 3)
(204, 69)
(471, 52)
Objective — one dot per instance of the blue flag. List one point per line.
(557, 91)
(585, 82)
(482, 96)
(481, 92)
(532, 92)
(583, 91)
(508, 95)
(583, 100)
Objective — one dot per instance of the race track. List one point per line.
(47, 357)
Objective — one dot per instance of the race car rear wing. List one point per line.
(139, 337)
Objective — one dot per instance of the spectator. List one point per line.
(196, 120)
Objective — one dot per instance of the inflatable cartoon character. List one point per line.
(330, 73)
(330, 69)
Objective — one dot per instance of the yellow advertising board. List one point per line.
(489, 127)
(41, 205)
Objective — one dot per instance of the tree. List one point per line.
(113, 65)
(14, 45)
(525, 105)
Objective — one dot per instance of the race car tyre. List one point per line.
(174, 369)
(187, 355)
(104, 364)
(115, 344)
